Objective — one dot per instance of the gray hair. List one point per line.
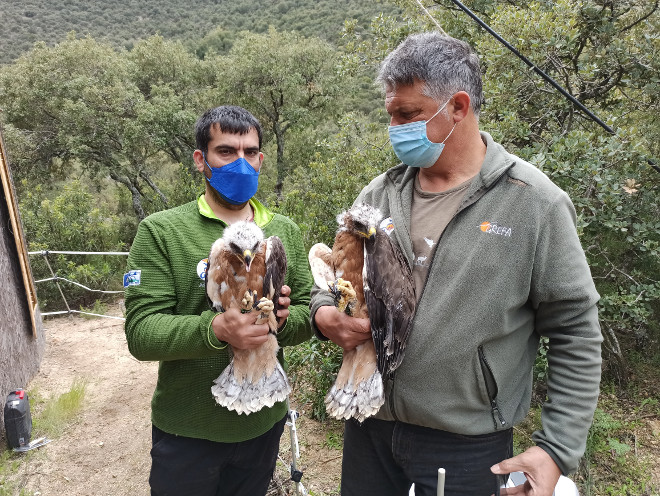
(444, 64)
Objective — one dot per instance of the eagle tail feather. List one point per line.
(254, 379)
(356, 401)
(247, 397)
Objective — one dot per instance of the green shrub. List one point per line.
(72, 221)
(313, 367)
(610, 444)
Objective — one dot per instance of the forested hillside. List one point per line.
(123, 22)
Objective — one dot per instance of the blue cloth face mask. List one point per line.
(235, 182)
(412, 145)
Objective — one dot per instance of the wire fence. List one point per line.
(56, 279)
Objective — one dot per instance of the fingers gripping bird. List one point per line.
(246, 271)
(369, 277)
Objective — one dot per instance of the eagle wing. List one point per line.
(275, 271)
(320, 256)
(389, 292)
(214, 277)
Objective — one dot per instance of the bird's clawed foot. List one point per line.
(247, 303)
(265, 305)
(344, 294)
(265, 308)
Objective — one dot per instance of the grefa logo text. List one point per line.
(493, 228)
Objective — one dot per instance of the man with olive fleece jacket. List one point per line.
(508, 269)
(497, 263)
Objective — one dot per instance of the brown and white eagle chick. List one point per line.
(369, 278)
(246, 271)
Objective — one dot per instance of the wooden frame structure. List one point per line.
(19, 237)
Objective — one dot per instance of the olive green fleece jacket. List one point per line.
(508, 269)
(168, 318)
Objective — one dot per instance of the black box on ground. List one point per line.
(18, 422)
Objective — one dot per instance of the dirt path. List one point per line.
(105, 451)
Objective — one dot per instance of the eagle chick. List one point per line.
(246, 271)
(369, 278)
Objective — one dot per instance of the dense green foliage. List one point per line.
(313, 366)
(120, 120)
(112, 114)
(344, 163)
(290, 84)
(124, 23)
(72, 221)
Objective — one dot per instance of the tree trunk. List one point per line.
(613, 356)
(281, 165)
(151, 184)
(135, 194)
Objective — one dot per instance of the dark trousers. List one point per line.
(384, 458)
(184, 466)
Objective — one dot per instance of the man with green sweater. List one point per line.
(200, 448)
(497, 263)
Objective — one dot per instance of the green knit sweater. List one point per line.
(168, 318)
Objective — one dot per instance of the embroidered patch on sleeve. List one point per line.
(132, 278)
(201, 268)
(387, 225)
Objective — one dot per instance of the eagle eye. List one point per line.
(234, 247)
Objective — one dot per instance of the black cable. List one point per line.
(554, 84)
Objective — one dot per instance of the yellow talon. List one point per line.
(343, 292)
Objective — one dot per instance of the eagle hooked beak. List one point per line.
(247, 258)
(370, 234)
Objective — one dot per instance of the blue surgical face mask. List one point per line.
(412, 145)
(235, 182)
